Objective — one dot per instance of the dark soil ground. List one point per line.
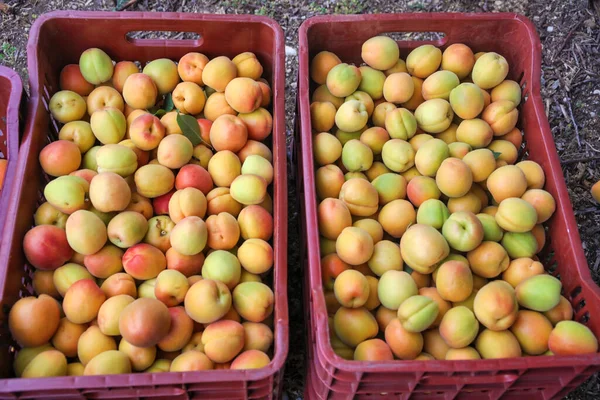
(570, 35)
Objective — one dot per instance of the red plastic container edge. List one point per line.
(11, 91)
(568, 246)
(28, 167)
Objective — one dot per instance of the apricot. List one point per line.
(496, 305)
(572, 338)
(380, 113)
(107, 363)
(248, 65)
(454, 177)
(192, 360)
(459, 327)
(140, 91)
(502, 116)
(95, 66)
(72, 79)
(417, 313)
(321, 64)
(430, 156)
(507, 181)
(159, 232)
(398, 88)
(189, 227)
(439, 85)
(190, 67)
(354, 325)
(491, 230)
(432, 212)
(104, 97)
(144, 322)
(520, 244)
(86, 233)
(422, 247)
(164, 74)
(343, 79)
(396, 216)
(109, 192)
(223, 340)
(46, 247)
(140, 357)
(115, 158)
(539, 292)
(351, 116)
(207, 301)
(434, 344)
(542, 202)
(255, 222)
(434, 116)
(489, 70)
(398, 155)
(532, 330)
(46, 364)
(33, 321)
(563, 311)
(400, 124)
(127, 229)
(404, 344)
(423, 61)
(475, 132)
(454, 281)
(534, 174)
(459, 59)
(250, 359)
(253, 301)
(109, 313)
(488, 260)
(60, 158)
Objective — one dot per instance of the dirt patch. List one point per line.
(570, 36)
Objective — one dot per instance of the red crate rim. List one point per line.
(281, 327)
(321, 338)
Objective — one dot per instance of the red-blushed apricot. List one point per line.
(82, 301)
(496, 305)
(532, 330)
(255, 222)
(144, 322)
(60, 158)
(144, 261)
(321, 64)
(190, 67)
(454, 281)
(420, 189)
(572, 338)
(404, 344)
(72, 79)
(33, 321)
(459, 59)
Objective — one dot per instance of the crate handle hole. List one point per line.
(439, 38)
(585, 318)
(158, 38)
(575, 292)
(579, 306)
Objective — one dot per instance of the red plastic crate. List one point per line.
(57, 39)
(330, 376)
(11, 90)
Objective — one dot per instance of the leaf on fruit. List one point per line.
(159, 113)
(496, 154)
(190, 128)
(168, 103)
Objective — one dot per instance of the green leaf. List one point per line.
(496, 154)
(190, 128)
(159, 113)
(168, 103)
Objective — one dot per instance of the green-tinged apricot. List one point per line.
(354, 325)
(322, 94)
(46, 364)
(507, 90)
(491, 230)
(67, 193)
(400, 124)
(390, 187)
(467, 100)
(108, 363)
(394, 287)
(439, 85)
(351, 116)
(539, 292)
(519, 244)
(432, 212)
(343, 80)
(417, 313)
(430, 156)
(249, 189)
(86, 233)
(489, 70)
(189, 236)
(459, 327)
(327, 148)
(357, 156)
(95, 66)
(372, 82)
(115, 158)
(398, 155)
(26, 354)
(386, 256)
(516, 215)
(434, 116)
